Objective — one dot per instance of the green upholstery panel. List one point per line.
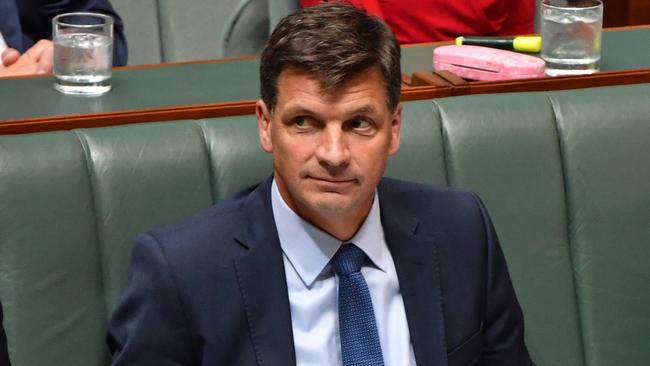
(192, 30)
(606, 149)
(142, 176)
(141, 29)
(237, 160)
(505, 148)
(420, 157)
(247, 28)
(50, 282)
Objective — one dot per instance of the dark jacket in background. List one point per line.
(4, 355)
(24, 22)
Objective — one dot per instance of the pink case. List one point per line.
(484, 63)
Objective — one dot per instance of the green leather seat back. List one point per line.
(606, 148)
(142, 30)
(505, 148)
(192, 30)
(142, 176)
(50, 273)
(236, 158)
(420, 157)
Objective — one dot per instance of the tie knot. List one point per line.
(348, 259)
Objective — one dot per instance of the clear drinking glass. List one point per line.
(83, 53)
(571, 34)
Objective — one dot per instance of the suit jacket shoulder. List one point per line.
(208, 291)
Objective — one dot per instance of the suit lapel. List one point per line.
(416, 263)
(262, 282)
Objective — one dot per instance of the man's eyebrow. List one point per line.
(298, 110)
(366, 109)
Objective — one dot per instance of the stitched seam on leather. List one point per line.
(254, 340)
(232, 21)
(206, 150)
(444, 140)
(99, 247)
(569, 226)
(160, 32)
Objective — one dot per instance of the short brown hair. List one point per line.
(333, 42)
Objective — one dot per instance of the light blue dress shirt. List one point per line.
(313, 286)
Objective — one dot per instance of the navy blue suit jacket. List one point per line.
(24, 22)
(212, 290)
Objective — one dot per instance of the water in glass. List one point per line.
(82, 63)
(571, 43)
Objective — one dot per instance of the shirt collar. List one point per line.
(309, 249)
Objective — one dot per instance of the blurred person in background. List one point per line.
(412, 21)
(26, 33)
(416, 21)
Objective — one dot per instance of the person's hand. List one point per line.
(36, 60)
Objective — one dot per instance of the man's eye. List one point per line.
(359, 123)
(300, 121)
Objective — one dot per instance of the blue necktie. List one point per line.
(359, 338)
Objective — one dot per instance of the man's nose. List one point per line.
(333, 151)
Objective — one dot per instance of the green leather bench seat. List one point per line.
(506, 149)
(565, 175)
(607, 165)
(172, 30)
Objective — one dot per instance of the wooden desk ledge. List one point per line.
(460, 86)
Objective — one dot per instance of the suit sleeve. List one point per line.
(120, 50)
(504, 322)
(50, 9)
(149, 326)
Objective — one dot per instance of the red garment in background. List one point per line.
(415, 21)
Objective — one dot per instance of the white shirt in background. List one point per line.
(3, 47)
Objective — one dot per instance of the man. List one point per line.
(26, 29)
(325, 263)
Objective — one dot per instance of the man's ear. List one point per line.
(395, 125)
(264, 125)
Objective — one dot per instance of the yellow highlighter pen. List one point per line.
(532, 44)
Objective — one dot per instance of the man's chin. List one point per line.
(333, 203)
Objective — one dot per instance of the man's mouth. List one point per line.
(333, 182)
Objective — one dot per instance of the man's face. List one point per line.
(329, 149)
